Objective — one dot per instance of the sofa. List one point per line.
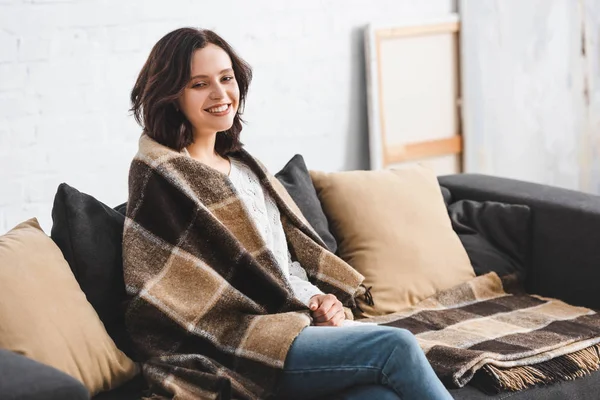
(562, 262)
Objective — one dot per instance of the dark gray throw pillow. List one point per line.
(446, 195)
(89, 234)
(295, 178)
(496, 236)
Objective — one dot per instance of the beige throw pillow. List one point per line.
(45, 316)
(393, 227)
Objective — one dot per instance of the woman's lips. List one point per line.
(221, 113)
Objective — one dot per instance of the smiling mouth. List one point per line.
(220, 109)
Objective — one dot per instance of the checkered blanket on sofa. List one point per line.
(488, 330)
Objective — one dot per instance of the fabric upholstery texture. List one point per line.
(393, 227)
(46, 316)
(487, 329)
(496, 236)
(89, 234)
(22, 378)
(564, 238)
(296, 180)
(584, 388)
(135, 389)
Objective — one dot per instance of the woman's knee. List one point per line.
(403, 340)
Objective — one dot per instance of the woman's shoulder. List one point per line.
(245, 157)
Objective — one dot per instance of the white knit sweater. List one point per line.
(265, 214)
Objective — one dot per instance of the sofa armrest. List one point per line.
(565, 252)
(24, 379)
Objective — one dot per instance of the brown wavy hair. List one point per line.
(163, 79)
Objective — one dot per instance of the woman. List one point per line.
(217, 258)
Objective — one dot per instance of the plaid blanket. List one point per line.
(490, 331)
(209, 308)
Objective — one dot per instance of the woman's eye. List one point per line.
(199, 84)
(228, 78)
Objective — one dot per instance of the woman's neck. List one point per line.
(203, 149)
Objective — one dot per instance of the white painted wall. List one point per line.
(67, 67)
(531, 95)
(590, 177)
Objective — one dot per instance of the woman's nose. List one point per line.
(218, 92)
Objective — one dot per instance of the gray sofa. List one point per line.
(565, 258)
(565, 264)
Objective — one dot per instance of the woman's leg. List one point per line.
(370, 392)
(327, 360)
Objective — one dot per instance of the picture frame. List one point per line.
(414, 94)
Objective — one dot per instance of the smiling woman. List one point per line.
(212, 93)
(188, 72)
(224, 274)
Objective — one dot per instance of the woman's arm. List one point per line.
(325, 309)
(303, 289)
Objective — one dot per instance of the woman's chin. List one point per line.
(223, 127)
(215, 126)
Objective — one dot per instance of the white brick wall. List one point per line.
(67, 67)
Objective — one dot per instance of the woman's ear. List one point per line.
(177, 104)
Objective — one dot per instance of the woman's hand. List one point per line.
(326, 310)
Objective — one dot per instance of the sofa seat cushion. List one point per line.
(132, 390)
(585, 388)
(24, 379)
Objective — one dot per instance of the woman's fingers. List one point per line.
(332, 311)
(336, 320)
(339, 318)
(325, 311)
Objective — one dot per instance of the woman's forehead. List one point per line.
(210, 60)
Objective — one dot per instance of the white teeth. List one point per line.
(218, 109)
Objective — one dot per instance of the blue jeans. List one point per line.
(358, 362)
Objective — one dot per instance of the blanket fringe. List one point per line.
(567, 367)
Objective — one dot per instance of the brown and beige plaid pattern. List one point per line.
(489, 330)
(209, 309)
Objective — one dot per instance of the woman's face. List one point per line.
(211, 98)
